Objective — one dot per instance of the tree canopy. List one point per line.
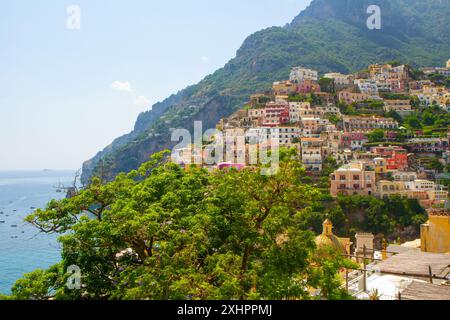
(163, 232)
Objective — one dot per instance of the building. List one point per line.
(339, 78)
(404, 176)
(351, 97)
(377, 70)
(354, 140)
(364, 247)
(313, 126)
(366, 86)
(386, 188)
(257, 115)
(287, 135)
(276, 114)
(404, 274)
(396, 157)
(428, 145)
(299, 74)
(308, 86)
(365, 124)
(284, 87)
(353, 178)
(312, 154)
(435, 234)
(328, 240)
(397, 105)
(298, 110)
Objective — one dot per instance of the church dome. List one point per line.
(328, 239)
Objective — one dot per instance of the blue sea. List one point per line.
(22, 247)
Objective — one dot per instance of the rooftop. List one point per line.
(426, 291)
(413, 262)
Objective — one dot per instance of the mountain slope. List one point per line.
(330, 35)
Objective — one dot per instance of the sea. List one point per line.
(23, 248)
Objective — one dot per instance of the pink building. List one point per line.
(350, 97)
(308, 86)
(354, 140)
(353, 179)
(276, 115)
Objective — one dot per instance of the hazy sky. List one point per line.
(66, 94)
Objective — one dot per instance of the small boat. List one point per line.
(14, 210)
(2, 221)
(14, 237)
(58, 190)
(14, 226)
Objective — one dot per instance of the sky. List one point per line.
(67, 92)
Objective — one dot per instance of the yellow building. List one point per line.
(386, 188)
(328, 239)
(435, 234)
(380, 165)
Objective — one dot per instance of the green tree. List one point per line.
(327, 85)
(413, 122)
(162, 232)
(376, 135)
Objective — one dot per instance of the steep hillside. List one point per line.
(330, 35)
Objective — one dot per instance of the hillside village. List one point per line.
(365, 125)
(381, 132)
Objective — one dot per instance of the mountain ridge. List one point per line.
(329, 35)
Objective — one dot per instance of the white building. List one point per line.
(339, 78)
(299, 74)
(367, 86)
(285, 135)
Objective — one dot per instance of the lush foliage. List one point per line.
(350, 214)
(163, 232)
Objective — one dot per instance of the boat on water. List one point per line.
(2, 221)
(14, 226)
(32, 208)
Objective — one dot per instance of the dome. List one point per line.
(328, 239)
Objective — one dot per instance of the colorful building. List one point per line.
(435, 234)
(353, 178)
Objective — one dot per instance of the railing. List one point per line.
(366, 296)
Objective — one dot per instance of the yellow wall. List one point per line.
(435, 235)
